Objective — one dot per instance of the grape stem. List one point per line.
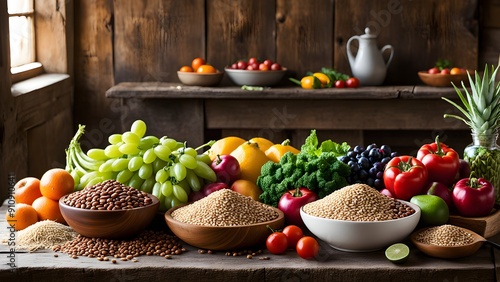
(209, 144)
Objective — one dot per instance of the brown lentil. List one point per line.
(225, 208)
(358, 202)
(148, 242)
(445, 235)
(108, 195)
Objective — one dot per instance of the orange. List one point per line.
(455, 71)
(186, 69)
(27, 190)
(48, 209)
(247, 188)
(56, 183)
(264, 143)
(196, 63)
(251, 159)
(206, 69)
(21, 216)
(225, 146)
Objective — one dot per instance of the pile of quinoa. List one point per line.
(445, 235)
(44, 235)
(358, 202)
(225, 208)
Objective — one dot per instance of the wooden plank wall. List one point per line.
(149, 40)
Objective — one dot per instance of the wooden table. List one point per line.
(189, 112)
(331, 265)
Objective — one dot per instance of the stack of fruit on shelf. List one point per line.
(326, 78)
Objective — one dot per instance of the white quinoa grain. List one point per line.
(445, 235)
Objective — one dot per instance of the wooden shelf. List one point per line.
(168, 90)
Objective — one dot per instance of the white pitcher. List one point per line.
(368, 65)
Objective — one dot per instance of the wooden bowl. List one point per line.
(443, 80)
(223, 238)
(448, 252)
(200, 79)
(115, 224)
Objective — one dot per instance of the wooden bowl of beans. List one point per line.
(109, 210)
(224, 221)
(447, 241)
(358, 218)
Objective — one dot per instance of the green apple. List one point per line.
(434, 210)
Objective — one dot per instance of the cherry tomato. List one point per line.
(433, 70)
(275, 66)
(242, 65)
(277, 243)
(293, 234)
(253, 61)
(307, 247)
(268, 63)
(445, 71)
(352, 82)
(339, 84)
(263, 67)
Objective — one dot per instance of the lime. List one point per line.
(397, 253)
(434, 210)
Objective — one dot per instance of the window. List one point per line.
(22, 39)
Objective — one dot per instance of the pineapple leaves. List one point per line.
(481, 105)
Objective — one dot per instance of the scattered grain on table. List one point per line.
(44, 235)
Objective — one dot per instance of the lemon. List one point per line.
(251, 159)
(263, 143)
(225, 146)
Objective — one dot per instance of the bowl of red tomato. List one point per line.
(254, 72)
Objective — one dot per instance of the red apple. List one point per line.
(212, 187)
(442, 191)
(433, 70)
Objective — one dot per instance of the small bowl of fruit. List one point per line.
(200, 73)
(443, 74)
(253, 72)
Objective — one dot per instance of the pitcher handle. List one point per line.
(348, 46)
(388, 47)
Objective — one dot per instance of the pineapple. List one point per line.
(481, 108)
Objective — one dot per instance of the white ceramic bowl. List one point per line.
(200, 79)
(255, 77)
(361, 236)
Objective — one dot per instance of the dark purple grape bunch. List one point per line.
(368, 164)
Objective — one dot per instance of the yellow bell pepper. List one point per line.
(276, 151)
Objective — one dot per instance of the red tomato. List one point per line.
(277, 243)
(293, 234)
(433, 70)
(253, 61)
(242, 65)
(275, 66)
(352, 82)
(445, 71)
(268, 63)
(339, 84)
(307, 247)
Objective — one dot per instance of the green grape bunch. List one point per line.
(164, 167)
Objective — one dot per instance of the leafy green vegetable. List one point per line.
(315, 167)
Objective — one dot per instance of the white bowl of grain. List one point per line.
(358, 218)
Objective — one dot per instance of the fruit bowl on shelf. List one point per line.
(255, 77)
(361, 236)
(223, 238)
(200, 79)
(109, 224)
(443, 80)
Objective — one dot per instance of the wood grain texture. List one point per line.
(153, 39)
(420, 32)
(305, 35)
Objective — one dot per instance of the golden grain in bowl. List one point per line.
(224, 220)
(358, 218)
